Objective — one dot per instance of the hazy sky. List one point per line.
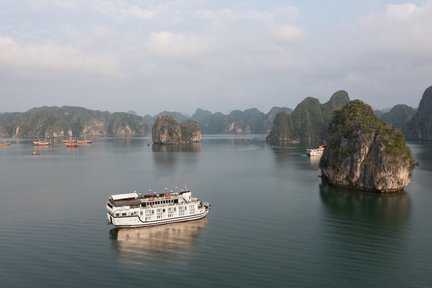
(151, 56)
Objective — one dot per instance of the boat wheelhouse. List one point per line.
(136, 210)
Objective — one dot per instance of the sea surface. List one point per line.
(271, 224)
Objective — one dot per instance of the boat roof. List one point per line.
(124, 196)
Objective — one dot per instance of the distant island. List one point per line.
(68, 121)
(307, 123)
(167, 131)
(419, 127)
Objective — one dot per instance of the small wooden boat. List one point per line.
(41, 143)
(4, 144)
(84, 141)
(71, 143)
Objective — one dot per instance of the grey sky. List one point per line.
(151, 56)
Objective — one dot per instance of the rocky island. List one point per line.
(364, 153)
(307, 123)
(420, 125)
(166, 130)
(68, 121)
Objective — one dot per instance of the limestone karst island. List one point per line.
(166, 130)
(364, 153)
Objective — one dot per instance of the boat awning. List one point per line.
(125, 196)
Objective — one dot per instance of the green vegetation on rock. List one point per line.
(166, 130)
(398, 116)
(365, 153)
(69, 121)
(308, 122)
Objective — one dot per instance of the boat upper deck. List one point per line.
(135, 200)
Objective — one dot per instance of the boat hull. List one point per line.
(136, 221)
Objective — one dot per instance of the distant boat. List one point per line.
(4, 144)
(84, 141)
(41, 143)
(70, 143)
(315, 151)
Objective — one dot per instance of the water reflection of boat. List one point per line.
(176, 238)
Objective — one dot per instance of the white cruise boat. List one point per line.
(136, 210)
(316, 152)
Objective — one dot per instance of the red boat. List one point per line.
(70, 143)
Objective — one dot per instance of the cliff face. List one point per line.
(364, 153)
(308, 122)
(190, 132)
(166, 130)
(420, 125)
(282, 129)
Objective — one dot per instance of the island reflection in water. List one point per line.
(141, 244)
(366, 231)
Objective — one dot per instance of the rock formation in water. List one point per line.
(69, 121)
(363, 153)
(420, 125)
(166, 130)
(308, 122)
(398, 116)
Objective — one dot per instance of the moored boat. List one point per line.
(84, 141)
(136, 210)
(315, 151)
(41, 143)
(4, 144)
(70, 143)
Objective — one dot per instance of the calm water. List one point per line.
(271, 223)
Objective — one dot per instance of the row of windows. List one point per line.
(149, 212)
(173, 201)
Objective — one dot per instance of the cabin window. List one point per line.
(109, 205)
(117, 214)
(141, 213)
(176, 201)
(124, 214)
(163, 210)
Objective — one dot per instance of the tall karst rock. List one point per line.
(420, 125)
(308, 122)
(363, 153)
(166, 130)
